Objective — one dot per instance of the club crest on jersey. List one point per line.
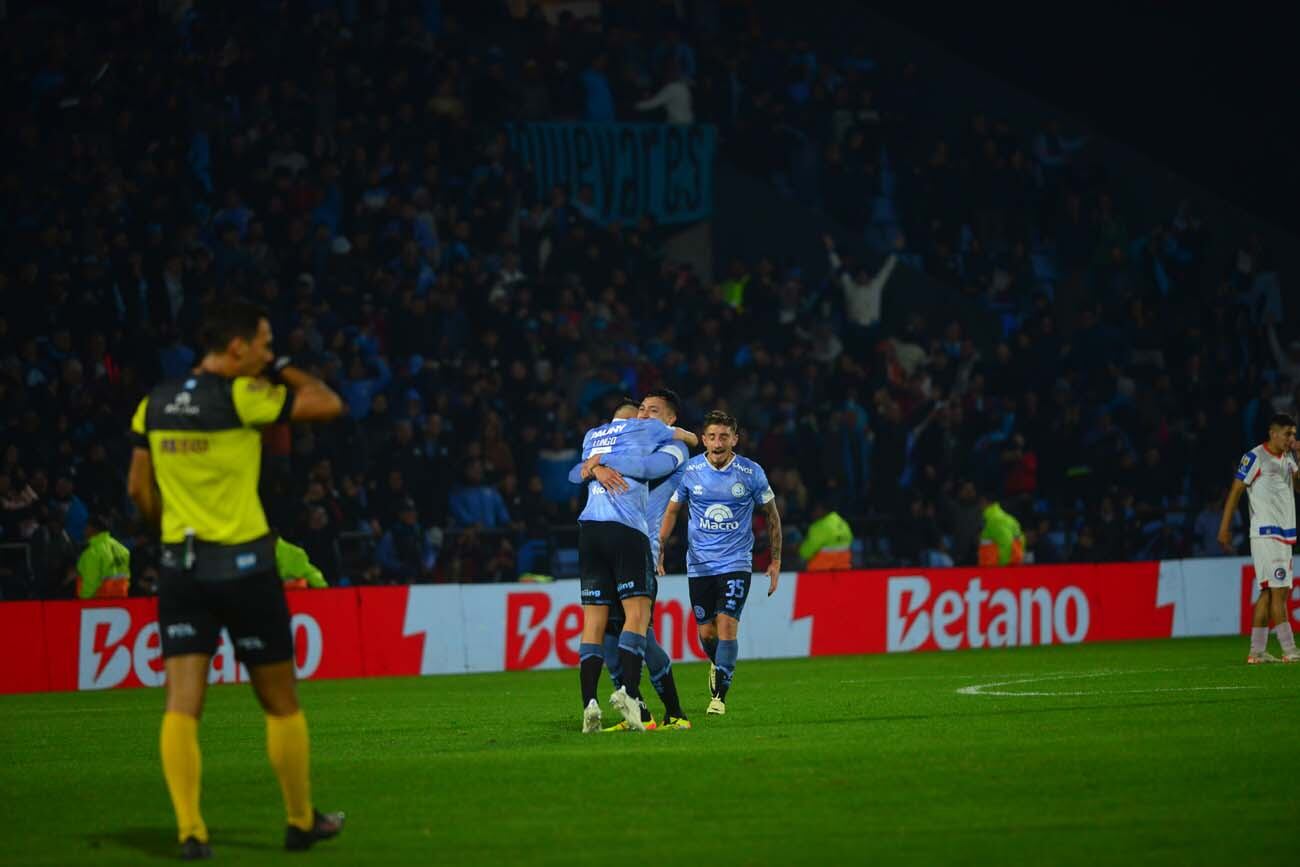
(1279, 574)
(698, 490)
(718, 517)
(737, 490)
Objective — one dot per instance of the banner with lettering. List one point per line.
(455, 628)
(633, 169)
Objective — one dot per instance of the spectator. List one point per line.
(71, 508)
(104, 567)
(828, 542)
(320, 540)
(420, 270)
(295, 567)
(964, 521)
(1040, 544)
(1205, 527)
(1001, 542)
(600, 100)
(674, 97)
(475, 504)
(863, 294)
(366, 379)
(405, 553)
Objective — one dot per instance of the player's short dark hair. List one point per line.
(718, 417)
(1281, 420)
(668, 396)
(226, 320)
(627, 400)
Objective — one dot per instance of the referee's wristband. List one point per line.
(278, 366)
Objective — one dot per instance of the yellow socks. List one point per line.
(182, 766)
(288, 747)
(286, 744)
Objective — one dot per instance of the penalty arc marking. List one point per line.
(996, 690)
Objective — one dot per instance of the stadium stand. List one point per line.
(998, 310)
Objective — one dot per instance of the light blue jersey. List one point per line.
(720, 535)
(661, 490)
(634, 437)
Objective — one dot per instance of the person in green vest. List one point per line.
(296, 571)
(829, 542)
(104, 568)
(1002, 543)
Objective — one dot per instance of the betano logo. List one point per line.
(974, 617)
(718, 517)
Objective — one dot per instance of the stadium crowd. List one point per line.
(351, 173)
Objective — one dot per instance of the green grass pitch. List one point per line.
(1171, 752)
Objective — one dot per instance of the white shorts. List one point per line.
(1272, 563)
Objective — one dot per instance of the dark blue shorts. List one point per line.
(612, 561)
(712, 595)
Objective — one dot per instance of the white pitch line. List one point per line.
(991, 688)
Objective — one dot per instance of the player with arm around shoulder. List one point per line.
(614, 553)
(661, 404)
(1269, 474)
(721, 490)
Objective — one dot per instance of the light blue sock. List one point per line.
(632, 643)
(657, 661)
(612, 662)
(728, 650)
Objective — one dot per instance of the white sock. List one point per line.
(1286, 636)
(1258, 639)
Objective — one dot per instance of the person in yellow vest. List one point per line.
(296, 570)
(829, 542)
(1002, 543)
(104, 568)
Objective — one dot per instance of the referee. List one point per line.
(194, 468)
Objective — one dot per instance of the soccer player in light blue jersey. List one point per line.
(661, 404)
(614, 553)
(721, 489)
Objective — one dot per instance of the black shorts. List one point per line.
(191, 614)
(712, 595)
(614, 625)
(613, 561)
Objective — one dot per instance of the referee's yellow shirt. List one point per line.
(204, 435)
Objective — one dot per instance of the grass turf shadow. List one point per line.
(161, 842)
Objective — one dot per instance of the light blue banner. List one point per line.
(634, 169)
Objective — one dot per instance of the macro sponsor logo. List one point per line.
(976, 618)
(115, 650)
(718, 517)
